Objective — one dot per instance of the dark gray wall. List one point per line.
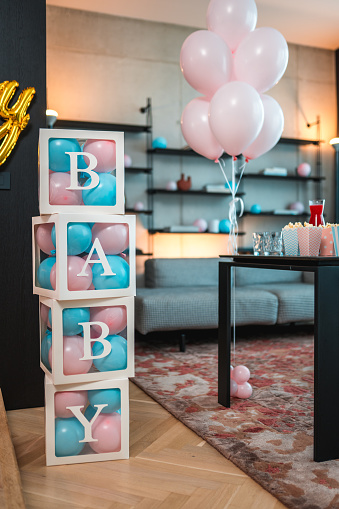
(23, 58)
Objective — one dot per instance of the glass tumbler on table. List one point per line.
(258, 243)
(273, 243)
(317, 210)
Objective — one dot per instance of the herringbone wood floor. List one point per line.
(170, 467)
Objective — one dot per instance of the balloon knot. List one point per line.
(234, 158)
(246, 160)
(216, 160)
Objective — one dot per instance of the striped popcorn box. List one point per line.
(309, 240)
(291, 244)
(335, 233)
(326, 244)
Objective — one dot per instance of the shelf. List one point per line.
(260, 176)
(143, 254)
(271, 213)
(134, 169)
(298, 141)
(145, 211)
(100, 126)
(161, 230)
(192, 192)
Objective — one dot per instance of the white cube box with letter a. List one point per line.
(86, 422)
(81, 171)
(88, 340)
(83, 256)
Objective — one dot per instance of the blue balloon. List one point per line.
(111, 397)
(103, 194)
(91, 411)
(159, 142)
(68, 433)
(46, 344)
(255, 209)
(119, 267)
(71, 317)
(58, 159)
(79, 238)
(44, 272)
(225, 226)
(116, 359)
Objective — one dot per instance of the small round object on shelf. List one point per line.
(255, 209)
(171, 186)
(225, 226)
(298, 206)
(201, 224)
(304, 170)
(159, 142)
(139, 206)
(127, 161)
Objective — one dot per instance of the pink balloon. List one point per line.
(244, 391)
(304, 169)
(241, 374)
(107, 430)
(73, 351)
(64, 399)
(232, 19)
(271, 131)
(43, 237)
(196, 129)
(236, 116)
(234, 387)
(206, 61)
(261, 58)
(58, 194)
(105, 153)
(113, 316)
(74, 267)
(44, 310)
(113, 237)
(201, 224)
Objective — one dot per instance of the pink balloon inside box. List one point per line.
(87, 260)
(87, 341)
(86, 422)
(81, 171)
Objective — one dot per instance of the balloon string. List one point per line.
(233, 300)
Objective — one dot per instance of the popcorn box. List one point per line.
(309, 240)
(326, 244)
(88, 340)
(335, 235)
(86, 422)
(291, 243)
(81, 171)
(80, 256)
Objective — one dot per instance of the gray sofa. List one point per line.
(182, 294)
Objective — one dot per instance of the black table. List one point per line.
(326, 339)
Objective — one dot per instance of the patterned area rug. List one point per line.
(270, 435)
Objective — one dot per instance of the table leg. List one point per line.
(326, 364)
(224, 334)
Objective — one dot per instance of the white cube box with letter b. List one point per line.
(87, 341)
(83, 256)
(81, 171)
(86, 422)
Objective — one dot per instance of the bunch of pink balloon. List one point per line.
(232, 64)
(240, 388)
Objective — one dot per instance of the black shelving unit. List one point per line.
(192, 192)
(163, 230)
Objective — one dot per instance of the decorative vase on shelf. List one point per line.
(184, 184)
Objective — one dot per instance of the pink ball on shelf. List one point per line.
(241, 374)
(106, 429)
(244, 391)
(64, 399)
(201, 224)
(304, 169)
(171, 186)
(139, 206)
(297, 206)
(127, 161)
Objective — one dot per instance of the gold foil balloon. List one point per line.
(15, 117)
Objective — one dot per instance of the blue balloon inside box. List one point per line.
(58, 158)
(104, 194)
(255, 209)
(44, 272)
(159, 142)
(79, 238)
(71, 318)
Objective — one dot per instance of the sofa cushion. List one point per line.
(197, 308)
(176, 272)
(251, 276)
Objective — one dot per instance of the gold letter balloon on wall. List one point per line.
(15, 117)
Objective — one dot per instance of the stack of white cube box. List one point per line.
(84, 273)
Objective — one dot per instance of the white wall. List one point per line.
(102, 68)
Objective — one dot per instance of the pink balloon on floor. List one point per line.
(241, 374)
(234, 387)
(58, 194)
(44, 310)
(74, 267)
(244, 391)
(107, 430)
(73, 351)
(113, 237)
(64, 399)
(43, 237)
(105, 153)
(114, 316)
